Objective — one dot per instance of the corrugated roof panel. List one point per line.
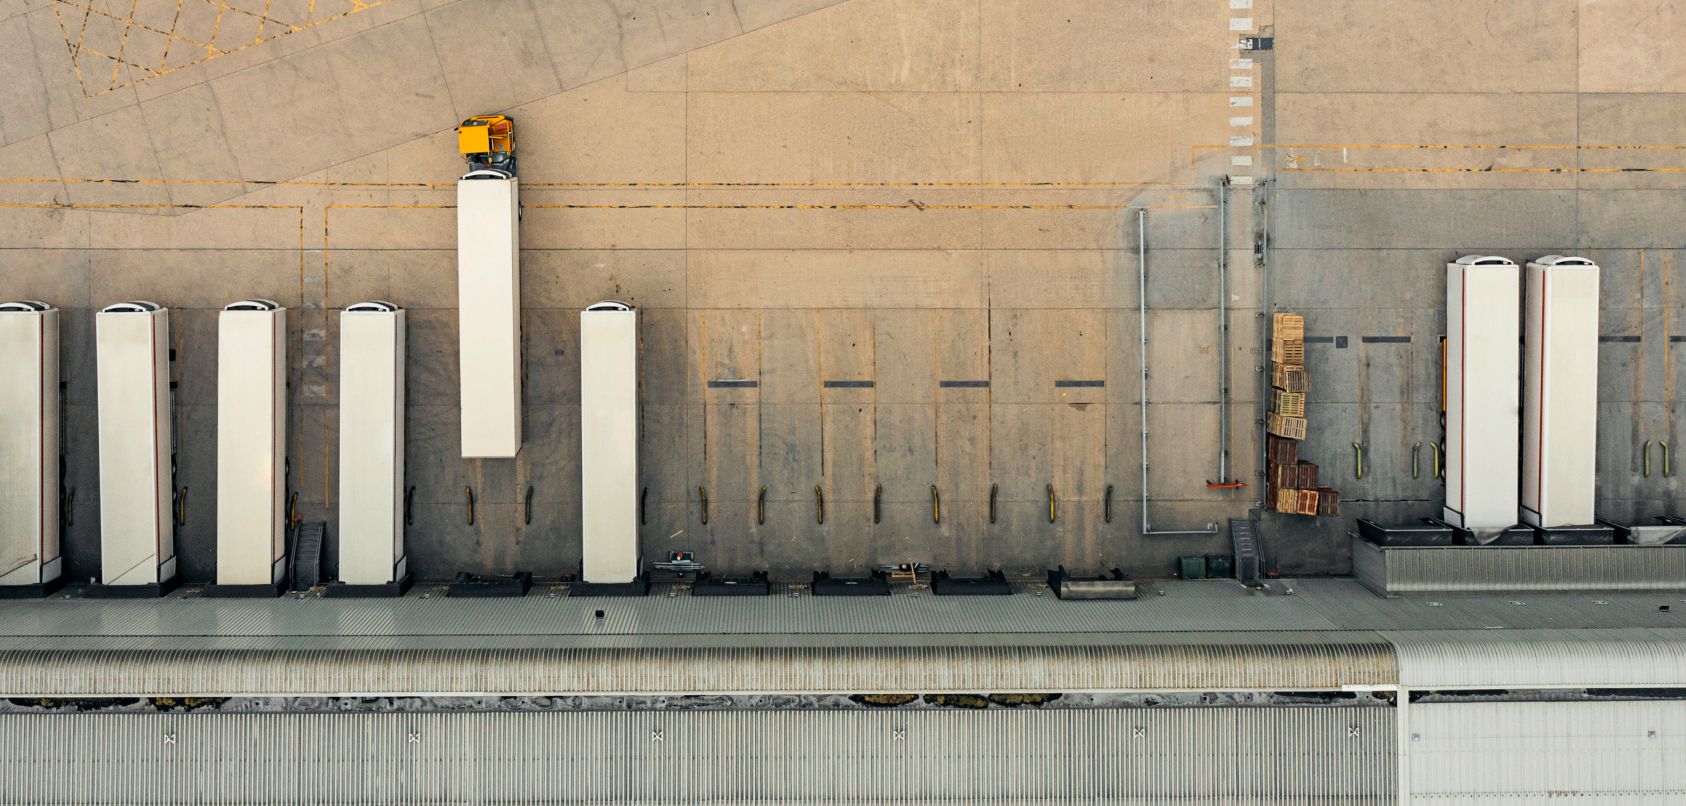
(1457, 569)
(1561, 752)
(1157, 755)
(1541, 658)
(1184, 607)
(1179, 667)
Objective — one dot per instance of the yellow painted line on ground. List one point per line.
(328, 207)
(1482, 146)
(904, 206)
(1456, 146)
(907, 184)
(1497, 170)
(157, 206)
(78, 44)
(263, 182)
(599, 185)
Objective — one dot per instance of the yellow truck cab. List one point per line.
(488, 143)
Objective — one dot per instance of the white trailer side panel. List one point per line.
(371, 503)
(1483, 396)
(489, 315)
(251, 446)
(29, 446)
(609, 444)
(137, 542)
(1560, 393)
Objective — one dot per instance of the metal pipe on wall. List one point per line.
(1262, 262)
(1223, 332)
(1141, 324)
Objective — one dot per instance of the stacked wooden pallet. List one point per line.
(1291, 482)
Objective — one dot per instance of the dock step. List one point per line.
(1245, 545)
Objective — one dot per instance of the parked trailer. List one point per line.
(251, 449)
(30, 563)
(489, 288)
(1560, 392)
(609, 442)
(137, 530)
(372, 559)
(1483, 395)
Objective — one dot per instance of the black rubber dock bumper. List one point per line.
(470, 586)
(1596, 534)
(151, 590)
(215, 591)
(1517, 535)
(389, 590)
(1426, 532)
(635, 588)
(875, 585)
(993, 583)
(1661, 531)
(753, 585)
(1114, 585)
(38, 590)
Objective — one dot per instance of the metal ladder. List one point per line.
(1245, 545)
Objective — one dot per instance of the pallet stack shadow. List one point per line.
(1291, 482)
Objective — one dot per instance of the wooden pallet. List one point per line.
(1288, 351)
(1305, 474)
(1281, 450)
(1296, 502)
(1289, 377)
(1288, 326)
(1328, 502)
(1287, 404)
(1290, 427)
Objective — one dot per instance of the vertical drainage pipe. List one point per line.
(1223, 333)
(1266, 311)
(1141, 325)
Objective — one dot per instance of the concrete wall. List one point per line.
(801, 192)
(1538, 128)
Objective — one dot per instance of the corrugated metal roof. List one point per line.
(1524, 752)
(1023, 642)
(1157, 755)
(69, 673)
(1184, 607)
(1169, 607)
(1541, 658)
(693, 640)
(1447, 569)
(1452, 611)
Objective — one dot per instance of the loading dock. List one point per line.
(372, 560)
(251, 449)
(137, 500)
(30, 561)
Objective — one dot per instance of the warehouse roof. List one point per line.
(1183, 635)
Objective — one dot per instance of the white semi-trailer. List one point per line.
(251, 449)
(372, 560)
(609, 443)
(1560, 392)
(30, 564)
(1483, 395)
(489, 289)
(137, 530)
